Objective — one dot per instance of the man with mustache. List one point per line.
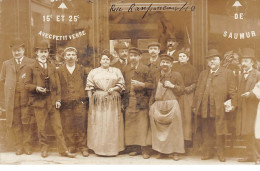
(153, 62)
(247, 104)
(12, 78)
(165, 114)
(73, 102)
(138, 82)
(122, 50)
(43, 82)
(215, 86)
(172, 45)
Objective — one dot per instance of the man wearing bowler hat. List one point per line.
(215, 86)
(122, 50)
(18, 117)
(136, 99)
(247, 103)
(172, 45)
(165, 113)
(43, 82)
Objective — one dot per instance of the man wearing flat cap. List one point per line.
(43, 82)
(122, 50)
(247, 104)
(73, 102)
(215, 86)
(18, 117)
(136, 98)
(153, 62)
(165, 114)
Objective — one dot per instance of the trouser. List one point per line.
(252, 147)
(75, 126)
(41, 115)
(22, 132)
(210, 139)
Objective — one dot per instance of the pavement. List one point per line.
(9, 158)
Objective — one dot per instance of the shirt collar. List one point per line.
(246, 72)
(153, 60)
(211, 71)
(20, 59)
(135, 66)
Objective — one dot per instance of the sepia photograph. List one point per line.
(130, 82)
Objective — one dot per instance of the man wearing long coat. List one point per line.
(215, 86)
(18, 118)
(136, 99)
(247, 104)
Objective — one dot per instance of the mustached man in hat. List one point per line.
(165, 114)
(12, 78)
(172, 45)
(43, 82)
(215, 86)
(138, 83)
(73, 102)
(153, 62)
(247, 104)
(122, 50)
(190, 78)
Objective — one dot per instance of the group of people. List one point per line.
(130, 103)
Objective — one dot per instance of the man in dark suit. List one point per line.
(122, 50)
(136, 98)
(153, 62)
(73, 102)
(247, 104)
(43, 82)
(215, 86)
(18, 118)
(172, 45)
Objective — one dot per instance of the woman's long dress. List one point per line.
(105, 119)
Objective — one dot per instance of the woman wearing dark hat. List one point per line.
(190, 78)
(105, 119)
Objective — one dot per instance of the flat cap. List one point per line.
(212, 53)
(135, 50)
(186, 51)
(16, 43)
(154, 44)
(166, 57)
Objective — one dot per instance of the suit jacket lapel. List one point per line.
(250, 80)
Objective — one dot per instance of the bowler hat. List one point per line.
(247, 53)
(16, 43)
(135, 50)
(121, 45)
(154, 44)
(212, 53)
(42, 45)
(166, 57)
(172, 38)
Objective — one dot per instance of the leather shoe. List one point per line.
(19, 151)
(27, 151)
(246, 159)
(68, 154)
(133, 153)
(221, 158)
(146, 156)
(206, 157)
(44, 154)
(85, 153)
(175, 157)
(72, 150)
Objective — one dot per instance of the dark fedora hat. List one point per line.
(212, 53)
(154, 44)
(247, 53)
(41, 45)
(135, 50)
(121, 45)
(16, 43)
(166, 57)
